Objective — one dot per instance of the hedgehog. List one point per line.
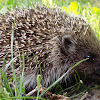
(52, 41)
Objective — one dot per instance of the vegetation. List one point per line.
(78, 7)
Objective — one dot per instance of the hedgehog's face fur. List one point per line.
(74, 47)
(77, 47)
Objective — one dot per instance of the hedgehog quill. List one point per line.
(57, 40)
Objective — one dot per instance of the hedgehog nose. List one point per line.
(97, 72)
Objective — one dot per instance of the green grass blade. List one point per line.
(13, 70)
(22, 90)
(38, 85)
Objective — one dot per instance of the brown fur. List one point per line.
(56, 39)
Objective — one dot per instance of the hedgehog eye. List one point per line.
(91, 57)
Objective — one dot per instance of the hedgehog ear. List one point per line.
(67, 43)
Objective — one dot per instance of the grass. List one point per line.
(78, 7)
